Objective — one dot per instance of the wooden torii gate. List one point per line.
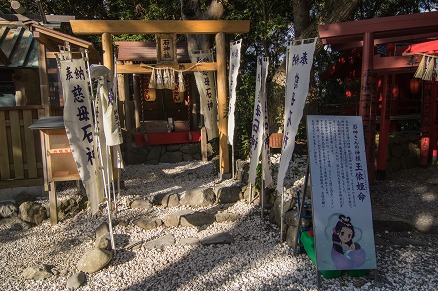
(107, 28)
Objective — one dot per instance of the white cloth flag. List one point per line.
(232, 82)
(205, 82)
(299, 63)
(258, 121)
(78, 121)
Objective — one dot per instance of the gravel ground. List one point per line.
(257, 260)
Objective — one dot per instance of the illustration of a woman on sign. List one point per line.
(346, 253)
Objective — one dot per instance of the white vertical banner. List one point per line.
(266, 161)
(205, 82)
(258, 121)
(232, 82)
(299, 64)
(78, 121)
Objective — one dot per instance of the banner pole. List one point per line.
(282, 215)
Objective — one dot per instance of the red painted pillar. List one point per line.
(434, 122)
(426, 123)
(382, 158)
(367, 101)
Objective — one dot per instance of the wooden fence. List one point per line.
(20, 147)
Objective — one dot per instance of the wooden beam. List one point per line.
(222, 109)
(146, 69)
(47, 42)
(44, 79)
(159, 26)
(398, 23)
(397, 64)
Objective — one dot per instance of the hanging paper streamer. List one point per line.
(153, 80)
(181, 87)
(160, 81)
(232, 82)
(259, 120)
(78, 121)
(205, 82)
(299, 63)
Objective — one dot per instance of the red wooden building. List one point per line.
(385, 54)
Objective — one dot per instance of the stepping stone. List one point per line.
(218, 239)
(164, 241)
(94, 260)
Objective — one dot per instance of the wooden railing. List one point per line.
(20, 147)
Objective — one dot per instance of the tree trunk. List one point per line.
(344, 10)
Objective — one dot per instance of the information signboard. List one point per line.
(343, 227)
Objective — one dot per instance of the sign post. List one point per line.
(341, 204)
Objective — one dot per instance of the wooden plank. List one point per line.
(147, 69)
(29, 140)
(53, 204)
(4, 157)
(17, 151)
(44, 79)
(159, 26)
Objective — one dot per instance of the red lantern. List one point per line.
(414, 86)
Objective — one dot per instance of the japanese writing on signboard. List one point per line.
(205, 82)
(232, 82)
(299, 64)
(340, 192)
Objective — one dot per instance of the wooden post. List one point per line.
(44, 79)
(224, 163)
(108, 53)
(366, 102)
(136, 79)
(382, 159)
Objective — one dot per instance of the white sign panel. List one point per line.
(344, 237)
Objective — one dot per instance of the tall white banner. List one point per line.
(299, 64)
(259, 120)
(232, 82)
(205, 82)
(78, 121)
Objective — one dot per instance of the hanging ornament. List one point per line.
(152, 81)
(181, 87)
(160, 84)
(420, 70)
(172, 78)
(429, 69)
(166, 79)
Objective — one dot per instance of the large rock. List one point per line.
(199, 197)
(102, 230)
(94, 260)
(76, 280)
(141, 203)
(242, 171)
(173, 220)
(32, 212)
(148, 223)
(8, 209)
(229, 194)
(196, 219)
(219, 238)
(161, 242)
(38, 272)
(154, 154)
(167, 199)
(23, 197)
(172, 157)
(227, 217)
(191, 148)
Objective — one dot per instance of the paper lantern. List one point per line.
(178, 97)
(414, 86)
(150, 94)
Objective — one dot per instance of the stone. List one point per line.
(141, 203)
(76, 280)
(166, 199)
(148, 223)
(172, 157)
(32, 212)
(102, 230)
(134, 244)
(67, 206)
(173, 220)
(164, 241)
(198, 218)
(94, 260)
(219, 238)
(154, 154)
(191, 241)
(228, 194)
(191, 148)
(227, 217)
(291, 236)
(38, 272)
(173, 147)
(201, 196)
(103, 242)
(8, 209)
(187, 158)
(242, 171)
(15, 224)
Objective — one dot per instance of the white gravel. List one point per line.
(257, 260)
